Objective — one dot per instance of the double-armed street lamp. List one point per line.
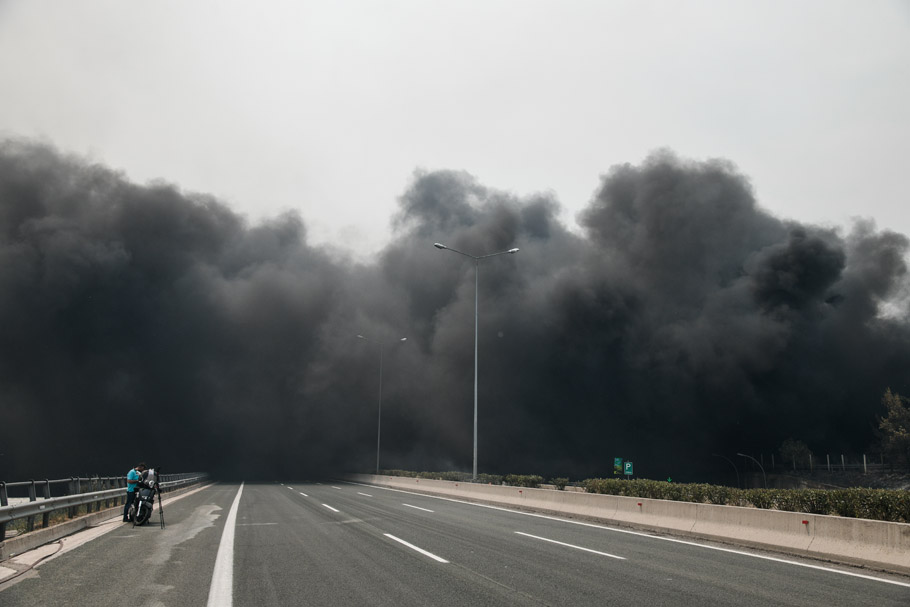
(735, 469)
(765, 478)
(379, 415)
(476, 259)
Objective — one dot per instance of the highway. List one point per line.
(336, 543)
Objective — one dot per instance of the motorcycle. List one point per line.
(147, 489)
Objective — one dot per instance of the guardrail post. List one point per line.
(71, 490)
(46, 517)
(32, 497)
(4, 501)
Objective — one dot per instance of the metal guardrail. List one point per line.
(44, 507)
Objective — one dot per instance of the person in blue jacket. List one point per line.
(132, 482)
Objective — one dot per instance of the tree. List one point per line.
(795, 451)
(895, 427)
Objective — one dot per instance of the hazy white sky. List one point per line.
(328, 106)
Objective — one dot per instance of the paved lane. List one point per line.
(488, 544)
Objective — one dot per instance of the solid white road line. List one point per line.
(648, 535)
(303, 494)
(221, 592)
(330, 508)
(334, 487)
(536, 537)
(417, 507)
(413, 547)
(364, 494)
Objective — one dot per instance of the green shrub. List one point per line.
(559, 482)
(531, 481)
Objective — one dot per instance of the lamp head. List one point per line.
(513, 251)
(439, 246)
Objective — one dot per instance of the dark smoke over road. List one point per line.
(140, 321)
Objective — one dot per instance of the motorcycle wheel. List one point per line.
(142, 516)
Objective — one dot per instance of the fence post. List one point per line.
(865, 469)
(828, 457)
(843, 464)
(810, 463)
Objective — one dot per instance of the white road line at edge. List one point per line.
(221, 592)
(537, 537)
(413, 547)
(648, 535)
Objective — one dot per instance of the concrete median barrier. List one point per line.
(877, 544)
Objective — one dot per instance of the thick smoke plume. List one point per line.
(140, 321)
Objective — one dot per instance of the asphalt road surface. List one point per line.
(345, 544)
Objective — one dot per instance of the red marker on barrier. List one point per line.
(805, 522)
(639, 504)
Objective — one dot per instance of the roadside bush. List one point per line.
(491, 479)
(532, 481)
(559, 482)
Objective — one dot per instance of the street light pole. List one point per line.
(759, 465)
(379, 414)
(476, 259)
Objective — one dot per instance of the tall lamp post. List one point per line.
(476, 259)
(759, 465)
(379, 415)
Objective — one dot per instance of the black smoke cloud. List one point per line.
(140, 321)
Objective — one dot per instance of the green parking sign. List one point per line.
(627, 469)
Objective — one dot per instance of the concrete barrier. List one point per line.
(877, 544)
